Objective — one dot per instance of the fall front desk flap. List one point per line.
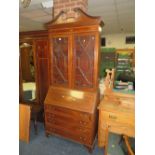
(84, 101)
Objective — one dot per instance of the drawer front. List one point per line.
(119, 128)
(73, 125)
(81, 138)
(68, 113)
(65, 120)
(123, 118)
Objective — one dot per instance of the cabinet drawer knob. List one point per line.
(83, 123)
(112, 117)
(83, 138)
(109, 126)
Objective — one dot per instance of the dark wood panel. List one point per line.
(28, 35)
(82, 138)
(43, 67)
(42, 48)
(42, 58)
(66, 113)
(73, 120)
(80, 127)
(84, 101)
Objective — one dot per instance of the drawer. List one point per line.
(124, 118)
(81, 138)
(68, 113)
(52, 117)
(72, 126)
(119, 128)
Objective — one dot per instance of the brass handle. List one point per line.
(112, 117)
(84, 115)
(83, 139)
(109, 126)
(80, 122)
(83, 123)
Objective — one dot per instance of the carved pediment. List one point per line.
(80, 18)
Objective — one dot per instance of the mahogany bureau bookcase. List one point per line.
(74, 65)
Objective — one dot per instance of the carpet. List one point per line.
(53, 145)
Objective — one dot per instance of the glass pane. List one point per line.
(60, 60)
(84, 60)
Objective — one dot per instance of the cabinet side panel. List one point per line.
(42, 68)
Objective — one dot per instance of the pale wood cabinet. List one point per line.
(116, 115)
(24, 122)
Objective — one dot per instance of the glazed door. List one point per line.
(60, 55)
(84, 61)
(42, 68)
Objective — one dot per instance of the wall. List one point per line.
(118, 40)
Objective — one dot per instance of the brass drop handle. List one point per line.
(83, 139)
(83, 123)
(109, 126)
(112, 117)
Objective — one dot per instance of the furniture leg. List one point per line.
(106, 142)
(90, 149)
(47, 135)
(35, 125)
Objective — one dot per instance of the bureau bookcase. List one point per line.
(71, 102)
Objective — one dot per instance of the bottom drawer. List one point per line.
(84, 139)
(120, 128)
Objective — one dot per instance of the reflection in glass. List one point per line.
(27, 72)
